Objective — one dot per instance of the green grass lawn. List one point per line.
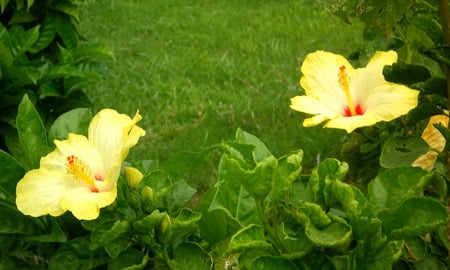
(198, 70)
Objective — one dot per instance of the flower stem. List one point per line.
(278, 243)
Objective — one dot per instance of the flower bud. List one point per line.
(133, 177)
(164, 230)
(147, 199)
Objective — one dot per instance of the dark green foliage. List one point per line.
(43, 55)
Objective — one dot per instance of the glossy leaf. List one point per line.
(22, 40)
(131, 259)
(189, 255)
(258, 181)
(393, 186)
(12, 171)
(336, 234)
(178, 195)
(76, 255)
(261, 151)
(249, 238)
(107, 232)
(272, 262)
(406, 73)
(288, 170)
(415, 216)
(185, 223)
(74, 121)
(47, 33)
(402, 151)
(32, 133)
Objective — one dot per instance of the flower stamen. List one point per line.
(80, 171)
(344, 82)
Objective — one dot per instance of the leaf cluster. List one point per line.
(43, 55)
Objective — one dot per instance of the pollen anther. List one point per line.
(80, 171)
(344, 83)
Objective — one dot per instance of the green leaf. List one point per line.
(32, 133)
(402, 151)
(178, 196)
(74, 121)
(258, 181)
(288, 170)
(422, 111)
(189, 255)
(393, 186)
(272, 262)
(185, 223)
(378, 254)
(22, 40)
(22, 17)
(107, 232)
(69, 8)
(337, 234)
(415, 216)
(67, 33)
(130, 260)
(14, 222)
(148, 223)
(261, 151)
(249, 238)
(406, 73)
(11, 173)
(56, 234)
(6, 58)
(319, 185)
(47, 33)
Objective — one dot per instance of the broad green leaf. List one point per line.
(22, 40)
(377, 255)
(22, 17)
(14, 222)
(224, 224)
(149, 222)
(49, 89)
(261, 151)
(422, 111)
(107, 232)
(430, 263)
(288, 170)
(182, 162)
(393, 186)
(74, 121)
(272, 262)
(337, 234)
(6, 59)
(178, 196)
(117, 246)
(3, 4)
(47, 33)
(249, 238)
(234, 200)
(69, 8)
(185, 223)
(319, 184)
(32, 133)
(67, 33)
(406, 73)
(257, 181)
(361, 214)
(315, 213)
(415, 216)
(296, 243)
(435, 85)
(402, 151)
(132, 259)
(11, 172)
(189, 255)
(56, 234)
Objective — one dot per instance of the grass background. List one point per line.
(199, 69)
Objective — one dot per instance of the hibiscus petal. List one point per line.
(113, 134)
(320, 78)
(84, 204)
(390, 101)
(354, 122)
(40, 191)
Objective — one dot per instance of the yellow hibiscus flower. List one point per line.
(349, 98)
(81, 174)
(435, 140)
